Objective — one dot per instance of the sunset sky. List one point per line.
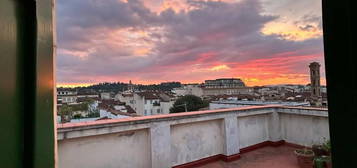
(262, 42)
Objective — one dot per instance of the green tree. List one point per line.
(65, 111)
(191, 102)
(77, 116)
(80, 107)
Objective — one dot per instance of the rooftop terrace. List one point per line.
(193, 138)
(266, 157)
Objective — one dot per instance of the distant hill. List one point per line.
(120, 86)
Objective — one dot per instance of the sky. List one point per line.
(263, 42)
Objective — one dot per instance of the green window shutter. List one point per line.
(27, 84)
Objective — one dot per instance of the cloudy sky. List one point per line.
(152, 41)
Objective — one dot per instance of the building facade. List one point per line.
(226, 91)
(189, 90)
(147, 103)
(66, 96)
(224, 83)
(222, 86)
(225, 86)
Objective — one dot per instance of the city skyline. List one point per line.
(153, 41)
(197, 83)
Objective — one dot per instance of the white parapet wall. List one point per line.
(169, 140)
(303, 126)
(194, 141)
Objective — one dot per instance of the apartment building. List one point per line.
(147, 103)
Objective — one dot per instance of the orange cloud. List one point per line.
(279, 70)
(290, 31)
(142, 51)
(72, 85)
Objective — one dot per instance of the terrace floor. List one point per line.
(267, 157)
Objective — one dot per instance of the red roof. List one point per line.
(149, 95)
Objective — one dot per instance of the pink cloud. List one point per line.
(127, 40)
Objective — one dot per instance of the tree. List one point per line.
(65, 112)
(191, 102)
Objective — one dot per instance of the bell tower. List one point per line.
(130, 87)
(315, 82)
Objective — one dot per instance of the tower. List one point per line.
(130, 87)
(315, 82)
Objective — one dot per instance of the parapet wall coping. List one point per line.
(147, 119)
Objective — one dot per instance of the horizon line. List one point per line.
(75, 85)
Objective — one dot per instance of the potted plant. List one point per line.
(322, 157)
(319, 162)
(321, 149)
(327, 147)
(328, 162)
(318, 149)
(305, 157)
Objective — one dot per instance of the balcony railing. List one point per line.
(171, 140)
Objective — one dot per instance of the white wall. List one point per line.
(105, 95)
(303, 129)
(139, 104)
(149, 106)
(190, 142)
(253, 130)
(165, 106)
(124, 150)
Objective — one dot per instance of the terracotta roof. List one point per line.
(112, 102)
(164, 97)
(117, 112)
(127, 95)
(149, 95)
(109, 104)
(129, 109)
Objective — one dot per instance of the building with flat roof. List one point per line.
(225, 86)
(224, 83)
(66, 96)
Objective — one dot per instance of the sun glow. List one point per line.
(73, 85)
(219, 68)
